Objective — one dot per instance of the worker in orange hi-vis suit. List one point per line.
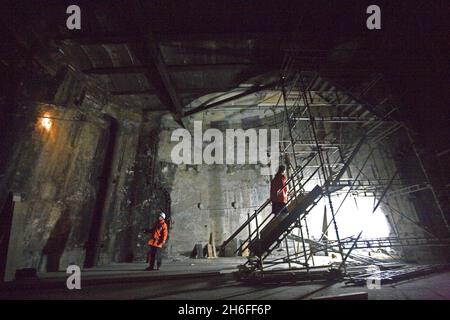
(279, 191)
(156, 242)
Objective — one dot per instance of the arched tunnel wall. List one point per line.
(56, 173)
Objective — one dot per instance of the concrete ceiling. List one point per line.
(167, 56)
(162, 56)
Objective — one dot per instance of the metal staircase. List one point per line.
(318, 165)
(273, 232)
(315, 167)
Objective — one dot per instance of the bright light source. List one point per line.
(357, 215)
(46, 122)
(354, 216)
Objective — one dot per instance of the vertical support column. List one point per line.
(288, 120)
(283, 87)
(322, 165)
(287, 252)
(249, 228)
(260, 261)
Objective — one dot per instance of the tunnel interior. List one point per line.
(104, 128)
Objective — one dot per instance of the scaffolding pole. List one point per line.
(322, 164)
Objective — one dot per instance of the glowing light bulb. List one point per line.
(46, 123)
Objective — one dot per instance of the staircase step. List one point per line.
(276, 227)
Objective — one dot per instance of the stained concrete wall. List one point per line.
(56, 175)
(59, 172)
(117, 229)
(202, 196)
(215, 187)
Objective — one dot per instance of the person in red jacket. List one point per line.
(156, 242)
(279, 191)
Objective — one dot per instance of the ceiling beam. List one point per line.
(134, 92)
(202, 91)
(149, 53)
(165, 77)
(158, 76)
(87, 38)
(208, 66)
(171, 68)
(251, 90)
(209, 90)
(116, 70)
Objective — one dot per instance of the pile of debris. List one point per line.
(298, 276)
(390, 273)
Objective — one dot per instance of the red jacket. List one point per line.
(159, 234)
(277, 184)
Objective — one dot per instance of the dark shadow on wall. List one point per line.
(6, 216)
(57, 241)
(92, 245)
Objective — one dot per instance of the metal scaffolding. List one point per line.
(324, 129)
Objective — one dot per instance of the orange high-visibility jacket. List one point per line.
(277, 184)
(159, 234)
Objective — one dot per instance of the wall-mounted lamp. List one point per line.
(46, 122)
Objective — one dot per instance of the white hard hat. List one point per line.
(163, 215)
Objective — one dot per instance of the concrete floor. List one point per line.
(206, 279)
